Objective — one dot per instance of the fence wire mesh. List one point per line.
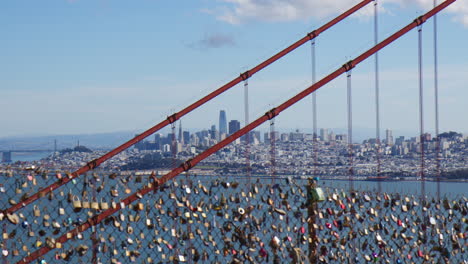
(201, 219)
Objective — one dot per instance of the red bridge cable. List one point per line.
(171, 119)
(187, 165)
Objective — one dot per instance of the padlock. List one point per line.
(46, 215)
(317, 195)
(76, 202)
(138, 179)
(94, 204)
(37, 212)
(70, 196)
(30, 232)
(114, 192)
(104, 205)
(85, 203)
(51, 196)
(139, 207)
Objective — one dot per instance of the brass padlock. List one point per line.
(30, 232)
(37, 212)
(85, 203)
(94, 204)
(139, 207)
(114, 192)
(76, 202)
(104, 205)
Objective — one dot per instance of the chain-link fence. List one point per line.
(202, 219)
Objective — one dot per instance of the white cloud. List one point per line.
(238, 11)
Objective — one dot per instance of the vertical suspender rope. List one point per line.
(377, 99)
(247, 136)
(421, 112)
(350, 132)
(350, 148)
(189, 249)
(173, 188)
(94, 237)
(314, 110)
(313, 244)
(436, 103)
(272, 149)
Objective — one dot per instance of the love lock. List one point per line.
(76, 203)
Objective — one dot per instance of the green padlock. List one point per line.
(316, 195)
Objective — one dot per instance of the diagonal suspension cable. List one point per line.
(176, 116)
(187, 165)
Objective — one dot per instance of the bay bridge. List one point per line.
(93, 216)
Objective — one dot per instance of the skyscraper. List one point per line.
(234, 125)
(222, 122)
(389, 137)
(180, 139)
(324, 134)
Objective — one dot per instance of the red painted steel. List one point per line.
(171, 119)
(267, 116)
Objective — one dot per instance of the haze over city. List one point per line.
(72, 67)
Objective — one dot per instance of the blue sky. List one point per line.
(83, 66)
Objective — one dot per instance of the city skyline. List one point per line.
(69, 65)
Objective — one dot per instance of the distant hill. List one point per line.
(94, 141)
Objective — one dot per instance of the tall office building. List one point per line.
(180, 139)
(324, 134)
(6, 157)
(234, 125)
(186, 137)
(222, 122)
(389, 137)
(213, 132)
